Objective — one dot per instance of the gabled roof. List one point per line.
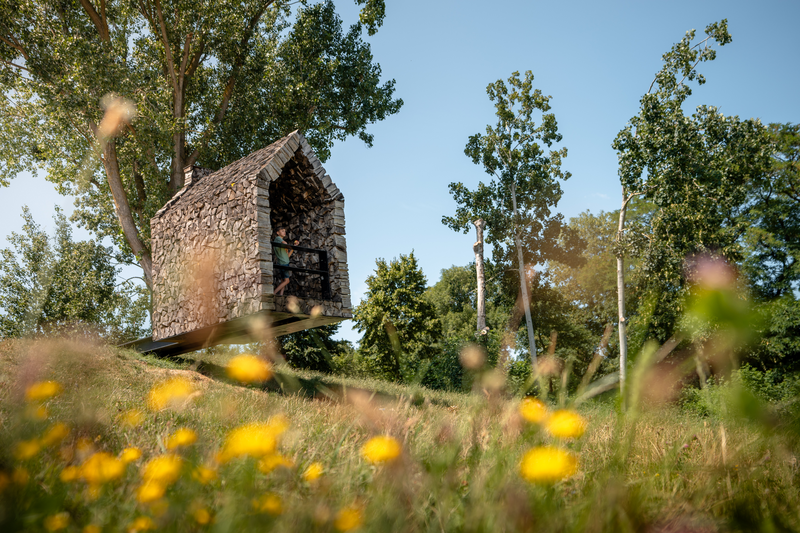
(268, 161)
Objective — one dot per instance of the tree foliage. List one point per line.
(114, 98)
(399, 327)
(60, 285)
(696, 170)
(313, 349)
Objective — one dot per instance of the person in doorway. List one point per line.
(282, 259)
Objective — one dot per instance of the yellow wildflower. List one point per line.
(20, 476)
(313, 472)
(27, 449)
(248, 369)
(129, 455)
(55, 434)
(142, 523)
(202, 516)
(565, 424)
(70, 473)
(164, 469)
(181, 437)
(268, 503)
(150, 492)
(92, 528)
(171, 393)
(271, 461)
(100, 468)
(204, 475)
(254, 440)
(43, 390)
(533, 410)
(56, 521)
(382, 449)
(131, 418)
(348, 519)
(547, 464)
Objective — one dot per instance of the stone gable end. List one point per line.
(212, 242)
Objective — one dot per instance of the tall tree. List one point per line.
(696, 170)
(313, 349)
(113, 98)
(399, 327)
(54, 284)
(516, 203)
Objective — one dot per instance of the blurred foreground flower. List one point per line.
(254, 440)
(101, 468)
(27, 449)
(43, 390)
(348, 519)
(69, 474)
(547, 464)
(171, 393)
(56, 522)
(130, 455)
(313, 472)
(566, 424)
(55, 434)
(382, 449)
(163, 470)
(204, 475)
(533, 410)
(268, 503)
(142, 523)
(202, 516)
(271, 461)
(181, 437)
(150, 492)
(248, 369)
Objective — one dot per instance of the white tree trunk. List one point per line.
(481, 298)
(623, 334)
(523, 285)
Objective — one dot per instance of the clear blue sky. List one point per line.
(595, 59)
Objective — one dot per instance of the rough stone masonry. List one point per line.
(212, 242)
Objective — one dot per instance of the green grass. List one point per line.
(664, 469)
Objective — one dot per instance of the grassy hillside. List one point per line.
(299, 454)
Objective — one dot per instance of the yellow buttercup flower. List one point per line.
(55, 434)
(202, 516)
(204, 474)
(164, 469)
(171, 393)
(271, 461)
(70, 473)
(382, 449)
(129, 455)
(56, 522)
(142, 523)
(27, 449)
(43, 390)
(313, 472)
(547, 464)
(20, 476)
(132, 418)
(100, 468)
(565, 424)
(348, 519)
(182, 437)
(533, 410)
(92, 528)
(254, 440)
(248, 369)
(150, 492)
(268, 503)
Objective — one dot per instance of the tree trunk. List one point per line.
(523, 285)
(481, 299)
(123, 209)
(623, 335)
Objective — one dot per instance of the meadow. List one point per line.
(95, 438)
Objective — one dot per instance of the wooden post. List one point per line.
(481, 299)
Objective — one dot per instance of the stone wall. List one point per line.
(212, 242)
